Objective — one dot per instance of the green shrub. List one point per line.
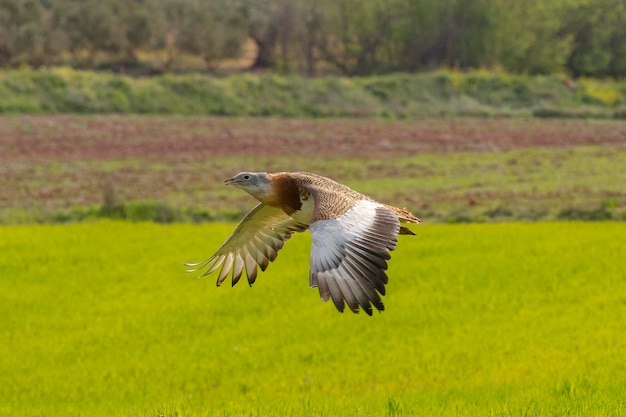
(577, 214)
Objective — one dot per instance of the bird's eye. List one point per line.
(246, 177)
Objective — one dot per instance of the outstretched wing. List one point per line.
(350, 253)
(255, 242)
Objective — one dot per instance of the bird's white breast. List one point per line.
(305, 213)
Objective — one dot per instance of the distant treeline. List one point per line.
(314, 37)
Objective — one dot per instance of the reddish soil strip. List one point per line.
(69, 137)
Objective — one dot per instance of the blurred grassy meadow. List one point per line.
(99, 318)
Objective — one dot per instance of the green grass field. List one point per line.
(99, 319)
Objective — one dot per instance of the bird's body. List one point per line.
(352, 235)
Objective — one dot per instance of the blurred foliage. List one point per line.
(316, 37)
(438, 93)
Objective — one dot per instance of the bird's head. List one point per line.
(257, 184)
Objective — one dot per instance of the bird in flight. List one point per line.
(352, 235)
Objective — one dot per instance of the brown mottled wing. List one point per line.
(255, 242)
(350, 253)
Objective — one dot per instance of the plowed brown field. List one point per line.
(115, 137)
(51, 163)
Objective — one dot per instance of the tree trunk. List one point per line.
(265, 54)
(170, 51)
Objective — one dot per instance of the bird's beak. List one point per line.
(229, 181)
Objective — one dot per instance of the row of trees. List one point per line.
(353, 37)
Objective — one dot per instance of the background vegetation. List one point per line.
(99, 319)
(349, 37)
(434, 94)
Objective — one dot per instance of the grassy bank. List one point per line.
(435, 94)
(505, 320)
